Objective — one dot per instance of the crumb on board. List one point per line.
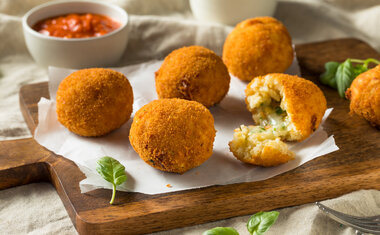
(169, 185)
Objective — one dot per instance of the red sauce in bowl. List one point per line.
(77, 26)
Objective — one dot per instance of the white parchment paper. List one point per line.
(221, 168)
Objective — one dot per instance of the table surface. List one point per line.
(351, 168)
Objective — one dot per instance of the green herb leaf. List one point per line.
(328, 77)
(221, 231)
(340, 76)
(344, 77)
(365, 62)
(358, 69)
(279, 110)
(260, 222)
(112, 171)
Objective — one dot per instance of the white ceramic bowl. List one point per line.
(76, 53)
(231, 12)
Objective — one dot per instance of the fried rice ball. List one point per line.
(93, 102)
(173, 135)
(364, 94)
(284, 107)
(286, 101)
(193, 73)
(257, 146)
(256, 47)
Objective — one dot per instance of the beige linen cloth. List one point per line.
(156, 28)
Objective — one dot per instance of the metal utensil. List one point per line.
(360, 224)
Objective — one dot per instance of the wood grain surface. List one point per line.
(355, 166)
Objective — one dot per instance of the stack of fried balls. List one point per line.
(176, 132)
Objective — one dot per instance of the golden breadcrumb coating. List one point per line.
(93, 102)
(364, 94)
(256, 47)
(173, 135)
(193, 73)
(284, 107)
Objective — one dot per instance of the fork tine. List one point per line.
(371, 221)
(374, 218)
(363, 220)
(367, 228)
(366, 220)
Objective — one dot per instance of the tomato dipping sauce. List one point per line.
(77, 26)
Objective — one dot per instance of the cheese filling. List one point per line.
(263, 144)
(269, 112)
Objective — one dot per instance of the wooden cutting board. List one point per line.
(355, 166)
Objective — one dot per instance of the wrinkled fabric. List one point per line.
(156, 28)
(159, 26)
(303, 220)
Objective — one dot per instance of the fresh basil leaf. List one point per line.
(358, 69)
(344, 77)
(328, 77)
(279, 110)
(112, 171)
(260, 222)
(221, 231)
(340, 76)
(370, 60)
